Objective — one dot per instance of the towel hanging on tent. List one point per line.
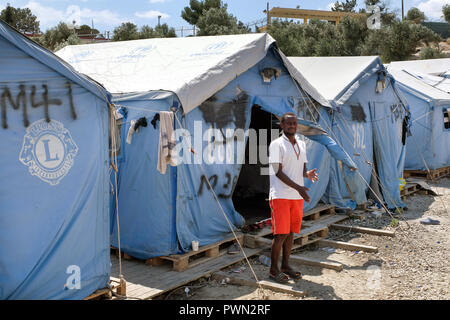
(166, 150)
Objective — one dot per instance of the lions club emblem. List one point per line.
(48, 151)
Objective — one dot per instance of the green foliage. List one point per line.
(347, 6)
(129, 31)
(126, 31)
(162, 31)
(320, 38)
(21, 19)
(71, 40)
(351, 37)
(399, 41)
(197, 8)
(85, 29)
(58, 36)
(415, 15)
(217, 21)
(446, 12)
(431, 53)
(353, 31)
(394, 223)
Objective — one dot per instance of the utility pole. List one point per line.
(403, 12)
(159, 20)
(268, 15)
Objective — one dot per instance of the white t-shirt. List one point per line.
(282, 151)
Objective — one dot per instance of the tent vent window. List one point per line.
(268, 73)
(381, 82)
(358, 113)
(446, 118)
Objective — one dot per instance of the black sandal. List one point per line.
(281, 277)
(296, 275)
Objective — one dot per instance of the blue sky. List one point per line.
(108, 14)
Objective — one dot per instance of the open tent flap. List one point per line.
(369, 129)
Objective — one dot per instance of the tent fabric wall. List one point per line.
(429, 143)
(54, 177)
(361, 122)
(145, 197)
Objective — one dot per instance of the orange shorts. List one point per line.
(286, 215)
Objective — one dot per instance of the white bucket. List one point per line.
(194, 245)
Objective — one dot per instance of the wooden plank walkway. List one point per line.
(146, 282)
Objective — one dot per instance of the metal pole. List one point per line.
(403, 12)
(268, 15)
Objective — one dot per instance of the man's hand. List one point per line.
(302, 192)
(312, 175)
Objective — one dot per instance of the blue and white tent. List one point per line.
(367, 120)
(435, 67)
(213, 84)
(428, 147)
(54, 183)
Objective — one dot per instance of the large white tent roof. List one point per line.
(194, 68)
(418, 86)
(429, 66)
(332, 76)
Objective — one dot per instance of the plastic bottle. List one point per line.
(264, 260)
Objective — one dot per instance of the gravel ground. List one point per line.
(412, 265)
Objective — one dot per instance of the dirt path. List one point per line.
(412, 265)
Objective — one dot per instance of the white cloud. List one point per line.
(432, 8)
(157, 1)
(85, 16)
(50, 17)
(152, 14)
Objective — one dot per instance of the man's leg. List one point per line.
(277, 244)
(287, 247)
(296, 214)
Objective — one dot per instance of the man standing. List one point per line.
(287, 158)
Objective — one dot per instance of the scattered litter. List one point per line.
(329, 250)
(356, 251)
(387, 246)
(376, 214)
(264, 260)
(225, 281)
(239, 270)
(430, 221)
(438, 242)
(187, 291)
(233, 249)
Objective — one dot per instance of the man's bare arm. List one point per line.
(278, 169)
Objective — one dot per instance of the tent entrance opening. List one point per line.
(252, 188)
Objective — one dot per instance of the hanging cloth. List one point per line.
(166, 150)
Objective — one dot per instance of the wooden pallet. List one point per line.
(181, 262)
(307, 235)
(409, 189)
(107, 293)
(432, 175)
(319, 212)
